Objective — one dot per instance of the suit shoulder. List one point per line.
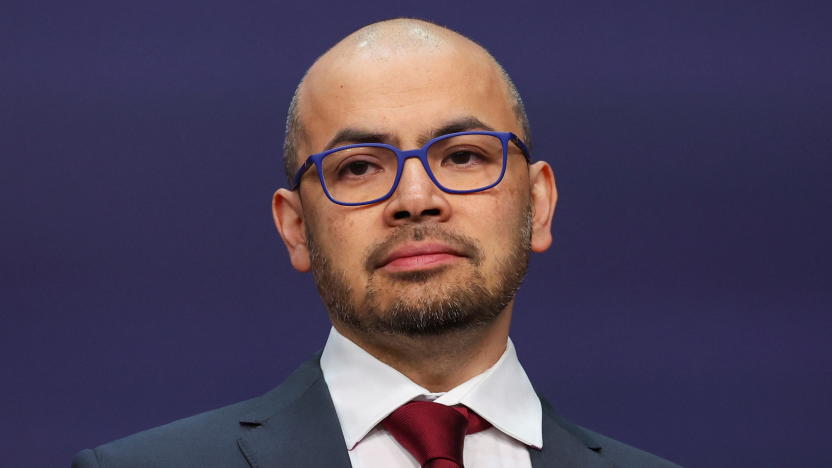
(199, 440)
(626, 456)
(619, 453)
(208, 424)
(205, 440)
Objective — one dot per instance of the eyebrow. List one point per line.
(461, 124)
(351, 135)
(356, 135)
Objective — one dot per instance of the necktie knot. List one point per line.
(433, 433)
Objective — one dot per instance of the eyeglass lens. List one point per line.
(463, 162)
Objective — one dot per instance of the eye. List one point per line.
(462, 158)
(358, 168)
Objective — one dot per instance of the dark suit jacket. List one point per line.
(295, 425)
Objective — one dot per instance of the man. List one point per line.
(417, 255)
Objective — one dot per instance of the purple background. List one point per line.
(683, 309)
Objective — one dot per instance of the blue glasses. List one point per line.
(462, 162)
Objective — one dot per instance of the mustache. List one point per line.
(465, 245)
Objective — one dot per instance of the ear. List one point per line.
(287, 211)
(544, 197)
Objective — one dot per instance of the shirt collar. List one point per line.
(365, 391)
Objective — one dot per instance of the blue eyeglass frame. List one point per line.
(402, 156)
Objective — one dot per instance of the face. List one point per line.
(423, 261)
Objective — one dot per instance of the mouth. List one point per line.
(419, 256)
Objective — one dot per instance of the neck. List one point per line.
(438, 362)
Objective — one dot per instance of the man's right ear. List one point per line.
(288, 218)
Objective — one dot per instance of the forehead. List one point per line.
(403, 93)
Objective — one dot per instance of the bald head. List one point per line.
(398, 36)
(387, 51)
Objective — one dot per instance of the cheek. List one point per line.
(502, 211)
(346, 240)
(492, 223)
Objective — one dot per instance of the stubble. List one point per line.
(443, 301)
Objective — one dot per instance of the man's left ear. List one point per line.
(544, 197)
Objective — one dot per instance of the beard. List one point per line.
(440, 305)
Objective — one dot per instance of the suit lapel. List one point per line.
(296, 425)
(565, 444)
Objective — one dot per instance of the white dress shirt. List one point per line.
(365, 390)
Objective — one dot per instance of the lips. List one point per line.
(418, 256)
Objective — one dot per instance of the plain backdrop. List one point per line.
(684, 307)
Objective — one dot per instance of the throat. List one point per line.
(437, 362)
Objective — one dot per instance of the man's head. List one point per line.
(399, 34)
(423, 261)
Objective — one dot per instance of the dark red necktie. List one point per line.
(434, 433)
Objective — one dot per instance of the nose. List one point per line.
(417, 198)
